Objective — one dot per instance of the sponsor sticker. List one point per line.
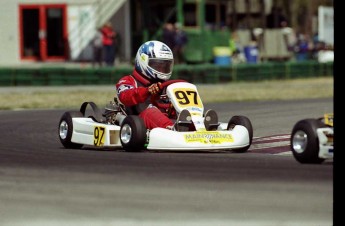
(123, 87)
(206, 137)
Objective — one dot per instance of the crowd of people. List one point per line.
(300, 45)
(105, 43)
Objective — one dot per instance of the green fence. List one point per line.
(211, 73)
(59, 76)
(195, 73)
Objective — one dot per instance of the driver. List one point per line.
(153, 65)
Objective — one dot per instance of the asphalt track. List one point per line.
(44, 184)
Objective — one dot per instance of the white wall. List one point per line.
(9, 32)
(326, 24)
(81, 28)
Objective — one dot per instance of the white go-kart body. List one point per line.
(122, 130)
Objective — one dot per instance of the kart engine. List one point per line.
(114, 112)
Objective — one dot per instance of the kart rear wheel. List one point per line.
(243, 121)
(133, 134)
(304, 142)
(66, 129)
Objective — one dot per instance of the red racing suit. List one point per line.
(132, 91)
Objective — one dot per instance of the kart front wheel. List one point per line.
(66, 129)
(243, 121)
(304, 142)
(133, 133)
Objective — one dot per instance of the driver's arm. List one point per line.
(129, 94)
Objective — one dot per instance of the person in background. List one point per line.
(236, 48)
(153, 65)
(181, 40)
(97, 48)
(302, 47)
(169, 35)
(109, 37)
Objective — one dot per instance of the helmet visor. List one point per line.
(160, 65)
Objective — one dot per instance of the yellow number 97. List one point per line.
(98, 136)
(187, 97)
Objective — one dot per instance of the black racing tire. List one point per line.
(66, 129)
(304, 142)
(243, 121)
(133, 134)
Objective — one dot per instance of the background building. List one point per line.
(54, 30)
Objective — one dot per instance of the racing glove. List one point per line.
(154, 88)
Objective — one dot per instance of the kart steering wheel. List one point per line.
(155, 97)
(169, 82)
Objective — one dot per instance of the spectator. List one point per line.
(302, 47)
(109, 37)
(317, 46)
(181, 40)
(169, 35)
(97, 48)
(236, 48)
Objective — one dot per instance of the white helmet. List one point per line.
(154, 60)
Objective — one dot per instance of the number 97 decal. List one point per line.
(187, 98)
(98, 136)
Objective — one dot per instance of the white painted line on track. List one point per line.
(279, 137)
(285, 153)
(269, 145)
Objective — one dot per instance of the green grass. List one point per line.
(270, 90)
(73, 97)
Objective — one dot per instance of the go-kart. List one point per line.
(117, 127)
(312, 140)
